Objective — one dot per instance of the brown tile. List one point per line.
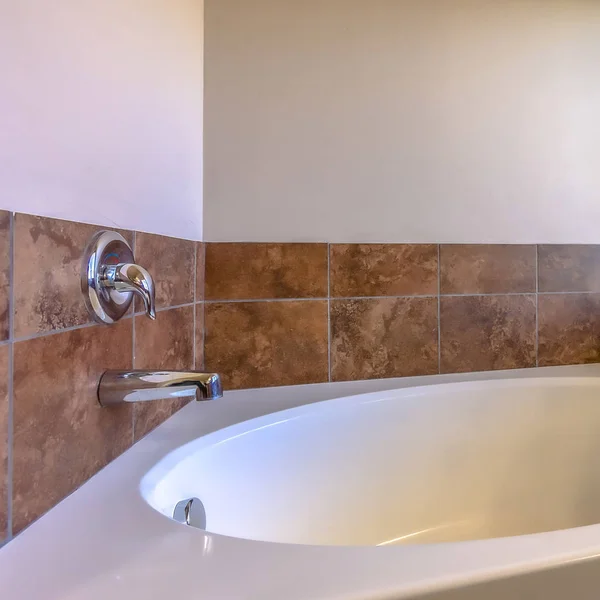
(199, 336)
(383, 337)
(261, 344)
(200, 269)
(167, 343)
(484, 333)
(240, 271)
(47, 272)
(4, 273)
(569, 268)
(383, 269)
(61, 434)
(4, 374)
(171, 263)
(487, 268)
(569, 329)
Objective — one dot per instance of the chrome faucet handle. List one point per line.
(129, 277)
(110, 278)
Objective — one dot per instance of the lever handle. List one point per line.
(129, 277)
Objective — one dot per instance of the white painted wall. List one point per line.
(101, 112)
(403, 120)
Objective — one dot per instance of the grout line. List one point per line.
(439, 309)
(203, 307)
(328, 312)
(34, 336)
(165, 308)
(372, 242)
(133, 367)
(316, 299)
(486, 295)
(263, 300)
(203, 336)
(537, 306)
(567, 293)
(203, 272)
(11, 370)
(195, 280)
(135, 256)
(248, 300)
(133, 338)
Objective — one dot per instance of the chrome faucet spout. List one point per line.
(118, 387)
(129, 277)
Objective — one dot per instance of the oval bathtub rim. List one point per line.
(181, 454)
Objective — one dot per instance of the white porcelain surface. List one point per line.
(506, 458)
(431, 464)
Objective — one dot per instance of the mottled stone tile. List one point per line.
(383, 269)
(4, 375)
(569, 329)
(47, 273)
(383, 337)
(171, 262)
(199, 336)
(485, 333)
(487, 268)
(569, 268)
(62, 436)
(5, 235)
(252, 271)
(261, 344)
(200, 269)
(164, 344)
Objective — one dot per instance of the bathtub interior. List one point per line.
(442, 463)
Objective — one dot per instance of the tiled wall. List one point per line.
(261, 315)
(53, 433)
(280, 314)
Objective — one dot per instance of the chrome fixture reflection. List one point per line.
(110, 278)
(117, 387)
(190, 512)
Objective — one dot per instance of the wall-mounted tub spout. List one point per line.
(117, 387)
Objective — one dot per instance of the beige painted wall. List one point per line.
(101, 111)
(402, 120)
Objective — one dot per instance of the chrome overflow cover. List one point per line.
(190, 512)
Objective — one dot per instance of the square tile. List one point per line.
(569, 268)
(62, 436)
(383, 270)
(171, 262)
(383, 337)
(262, 344)
(164, 344)
(486, 333)
(253, 271)
(487, 268)
(569, 329)
(47, 273)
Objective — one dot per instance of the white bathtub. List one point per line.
(485, 488)
(432, 464)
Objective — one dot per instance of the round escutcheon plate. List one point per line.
(105, 248)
